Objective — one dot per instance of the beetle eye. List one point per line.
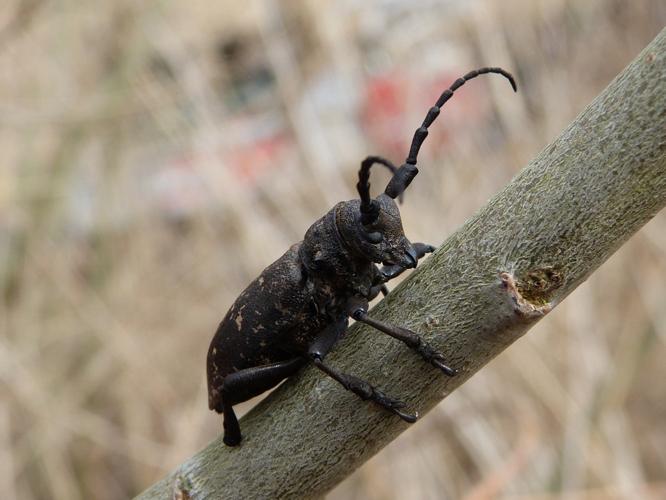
(374, 237)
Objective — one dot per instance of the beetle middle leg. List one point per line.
(358, 309)
(323, 344)
(366, 391)
(245, 384)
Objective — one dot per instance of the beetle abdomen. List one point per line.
(251, 332)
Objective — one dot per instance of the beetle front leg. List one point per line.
(358, 310)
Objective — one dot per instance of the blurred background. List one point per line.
(157, 155)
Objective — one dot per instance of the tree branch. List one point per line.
(521, 255)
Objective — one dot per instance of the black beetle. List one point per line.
(299, 306)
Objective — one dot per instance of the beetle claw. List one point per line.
(406, 416)
(446, 369)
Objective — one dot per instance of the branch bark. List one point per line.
(535, 242)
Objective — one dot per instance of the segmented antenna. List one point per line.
(369, 207)
(422, 132)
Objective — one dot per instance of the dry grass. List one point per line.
(134, 207)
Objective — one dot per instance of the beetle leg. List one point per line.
(389, 272)
(422, 249)
(359, 311)
(317, 352)
(365, 391)
(326, 339)
(247, 383)
(376, 289)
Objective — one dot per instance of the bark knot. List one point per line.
(181, 488)
(530, 296)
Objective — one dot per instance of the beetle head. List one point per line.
(372, 228)
(382, 240)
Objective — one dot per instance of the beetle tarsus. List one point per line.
(394, 406)
(435, 359)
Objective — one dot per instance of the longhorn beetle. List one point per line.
(300, 305)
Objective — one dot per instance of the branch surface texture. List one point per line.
(535, 242)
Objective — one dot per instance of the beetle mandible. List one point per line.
(300, 305)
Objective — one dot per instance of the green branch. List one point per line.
(532, 245)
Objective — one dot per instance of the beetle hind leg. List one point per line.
(232, 433)
(247, 383)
